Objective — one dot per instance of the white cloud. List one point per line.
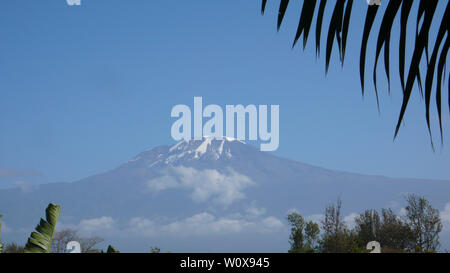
(91, 227)
(315, 218)
(205, 185)
(203, 224)
(255, 211)
(445, 216)
(350, 219)
(5, 228)
(318, 218)
(402, 212)
(24, 186)
(101, 226)
(393, 204)
(292, 210)
(272, 223)
(143, 226)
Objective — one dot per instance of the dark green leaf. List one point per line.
(263, 6)
(283, 6)
(319, 24)
(305, 22)
(384, 37)
(370, 18)
(345, 27)
(335, 30)
(440, 73)
(111, 249)
(430, 8)
(406, 9)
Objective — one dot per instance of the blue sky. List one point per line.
(84, 89)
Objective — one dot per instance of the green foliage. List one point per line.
(41, 241)
(424, 222)
(14, 248)
(304, 235)
(433, 65)
(336, 237)
(1, 244)
(111, 249)
(367, 226)
(296, 238)
(312, 231)
(394, 233)
(155, 249)
(390, 231)
(417, 231)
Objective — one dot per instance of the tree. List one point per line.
(61, 238)
(428, 65)
(394, 234)
(367, 227)
(312, 231)
(304, 234)
(13, 248)
(296, 239)
(337, 238)
(389, 230)
(425, 223)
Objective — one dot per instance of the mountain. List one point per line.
(206, 195)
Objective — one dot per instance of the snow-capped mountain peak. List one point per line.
(208, 148)
(200, 147)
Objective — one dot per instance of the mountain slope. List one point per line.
(208, 188)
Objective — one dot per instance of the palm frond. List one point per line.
(304, 24)
(443, 29)
(263, 7)
(346, 24)
(319, 24)
(283, 7)
(420, 44)
(384, 38)
(406, 10)
(335, 30)
(370, 18)
(338, 31)
(41, 241)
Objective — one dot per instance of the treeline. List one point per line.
(417, 230)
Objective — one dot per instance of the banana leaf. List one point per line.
(41, 240)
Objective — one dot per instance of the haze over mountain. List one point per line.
(207, 195)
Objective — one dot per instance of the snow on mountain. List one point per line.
(207, 147)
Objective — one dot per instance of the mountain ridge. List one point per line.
(214, 182)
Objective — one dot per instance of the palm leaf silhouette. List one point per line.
(435, 65)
